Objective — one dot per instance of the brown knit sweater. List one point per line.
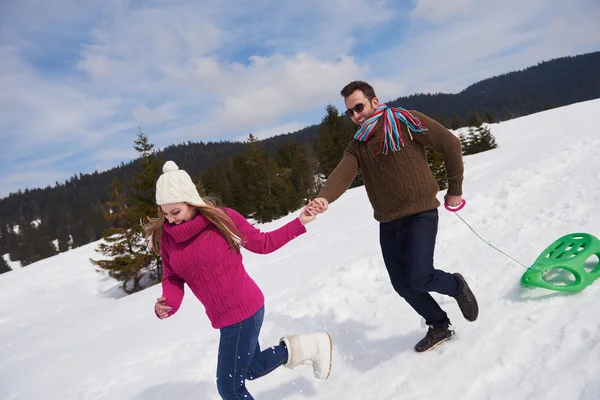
(399, 183)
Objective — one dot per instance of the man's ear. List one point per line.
(375, 102)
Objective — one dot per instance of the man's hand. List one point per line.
(453, 201)
(318, 205)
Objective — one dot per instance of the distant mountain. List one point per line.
(549, 84)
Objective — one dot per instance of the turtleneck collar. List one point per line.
(187, 230)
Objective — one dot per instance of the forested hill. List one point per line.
(80, 201)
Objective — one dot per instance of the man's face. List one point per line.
(360, 108)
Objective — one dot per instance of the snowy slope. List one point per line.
(66, 333)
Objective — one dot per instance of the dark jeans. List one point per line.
(407, 245)
(240, 357)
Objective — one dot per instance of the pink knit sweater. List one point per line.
(196, 253)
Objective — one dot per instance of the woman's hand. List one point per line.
(161, 308)
(307, 216)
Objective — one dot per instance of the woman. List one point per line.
(199, 245)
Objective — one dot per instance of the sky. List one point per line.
(69, 333)
(78, 78)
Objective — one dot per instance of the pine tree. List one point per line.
(144, 191)
(78, 234)
(34, 246)
(489, 117)
(488, 141)
(291, 161)
(4, 267)
(436, 165)
(13, 243)
(464, 142)
(58, 227)
(314, 183)
(479, 139)
(258, 185)
(128, 258)
(144, 182)
(4, 248)
(333, 138)
(25, 252)
(44, 244)
(63, 238)
(455, 122)
(473, 141)
(441, 119)
(122, 245)
(96, 225)
(216, 183)
(334, 135)
(201, 189)
(474, 120)
(237, 175)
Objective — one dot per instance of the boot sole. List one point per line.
(330, 355)
(436, 345)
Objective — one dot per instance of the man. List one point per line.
(389, 150)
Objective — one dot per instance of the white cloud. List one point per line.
(145, 115)
(146, 40)
(303, 83)
(433, 10)
(446, 53)
(38, 111)
(81, 76)
(389, 89)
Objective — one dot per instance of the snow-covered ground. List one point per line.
(66, 332)
(12, 264)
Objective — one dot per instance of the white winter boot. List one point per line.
(313, 347)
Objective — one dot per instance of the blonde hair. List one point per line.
(154, 226)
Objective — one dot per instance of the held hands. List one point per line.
(161, 308)
(318, 205)
(314, 207)
(306, 216)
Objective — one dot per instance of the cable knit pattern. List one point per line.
(196, 253)
(399, 183)
(176, 186)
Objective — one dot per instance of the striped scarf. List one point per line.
(392, 133)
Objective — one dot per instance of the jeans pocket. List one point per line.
(257, 322)
(258, 318)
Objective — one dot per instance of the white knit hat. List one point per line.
(176, 186)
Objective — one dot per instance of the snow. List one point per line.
(12, 264)
(66, 331)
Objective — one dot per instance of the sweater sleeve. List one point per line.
(341, 177)
(265, 242)
(448, 145)
(172, 284)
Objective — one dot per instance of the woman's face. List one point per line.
(176, 213)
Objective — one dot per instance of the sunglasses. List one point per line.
(356, 109)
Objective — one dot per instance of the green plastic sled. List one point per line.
(568, 253)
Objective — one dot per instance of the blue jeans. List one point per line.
(240, 357)
(407, 245)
